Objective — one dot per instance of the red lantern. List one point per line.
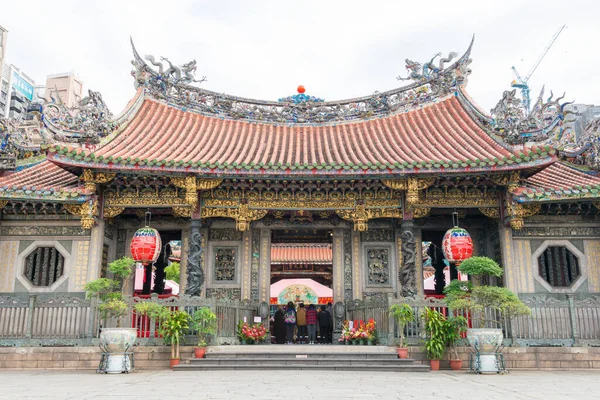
(457, 245)
(145, 245)
(301, 89)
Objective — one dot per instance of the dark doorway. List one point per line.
(159, 265)
(435, 263)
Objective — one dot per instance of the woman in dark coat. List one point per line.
(279, 324)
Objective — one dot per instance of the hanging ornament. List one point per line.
(146, 244)
(457, 244)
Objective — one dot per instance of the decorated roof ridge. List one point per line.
(163, 138)
(173, 84)
(559, 182)
(43, 181)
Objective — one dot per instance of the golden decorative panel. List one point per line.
(592, 252)
(454, 197)
(79, 269)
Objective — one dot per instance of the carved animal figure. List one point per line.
(195, 278)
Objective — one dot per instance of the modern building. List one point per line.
(67, 86)
(3, 40)
(17, 92)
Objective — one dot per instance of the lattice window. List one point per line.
(378, 266)
(44, 266)
(558, 266)
(225, 263)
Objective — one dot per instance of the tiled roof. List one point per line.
(42, 181)
(439, 136)
(559, 181)
(301, 254)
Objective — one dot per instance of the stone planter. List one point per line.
(117, 341)
(485, 340)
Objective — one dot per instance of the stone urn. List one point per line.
(485, 340)
(117, 341)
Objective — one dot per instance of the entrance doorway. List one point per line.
(154, 276)
(437, 271)
(301, 273)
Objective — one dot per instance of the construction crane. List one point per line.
(522, 83)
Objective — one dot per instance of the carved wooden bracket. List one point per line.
(510, 181)
(361, 215)
(86, 211)
(493, 213)
(91, 179)
(517, 212)
(243, 215)
(412, 185)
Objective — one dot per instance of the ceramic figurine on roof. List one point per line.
(86, 122)
(7, 149)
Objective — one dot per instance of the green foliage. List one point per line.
(152, 310)
(434, 324)
(458, 288)
(121, 268)
(174, 326)
(455, 326)
(499, 299)
(172, 272)
(114, 308)
(403, 314)
(102, 287)
(204, 322)
(478, 266)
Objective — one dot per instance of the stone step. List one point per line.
(301, 354)
(298, 360)
(293, 366)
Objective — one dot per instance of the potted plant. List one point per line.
(371, 329)
(153, 311)
(116, 341)
(486, 305)
(434, 324)
(172, 330)
(455, 327)
(204, 322)
(403, 314)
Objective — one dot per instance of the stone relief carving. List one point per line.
(224, 234)
(557, 231)
(347, 265)
(378, 266)
(408, 271)
(255, 264)
(224, 293)
(44, 231)
(225, 259)
(377, 235)
(195, 273)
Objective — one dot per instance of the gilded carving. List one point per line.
(86, 211)
(90, 179)
(420, 212)
(511, 180)
(183, 212)
(243, 215)
(3, 203)
(519, 211)
(111, 212)
(493, 213)
(165, 197)
(412, 185)
(454, 197)
(207, 184)
(360, 215)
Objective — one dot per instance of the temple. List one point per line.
(354, 195)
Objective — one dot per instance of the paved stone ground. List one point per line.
(305, 385)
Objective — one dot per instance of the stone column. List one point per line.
(338, 265)
(264, 275)
(357, 279)
(96, 247)
(246, 260)
(508, 259)
(411, 270)
(195, 274)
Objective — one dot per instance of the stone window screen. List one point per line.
(44, 266)
(378, 266)
(558, 266)
(225, 263)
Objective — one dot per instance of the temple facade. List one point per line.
(344, 192)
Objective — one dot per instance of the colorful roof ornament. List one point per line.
(301, 97)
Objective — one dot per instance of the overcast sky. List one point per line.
(336, 49)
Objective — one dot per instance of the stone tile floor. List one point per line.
(305, 385)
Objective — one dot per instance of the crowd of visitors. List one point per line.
(304, 324)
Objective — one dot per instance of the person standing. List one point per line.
(325, 325)
(330, 311)
(301, 323)
(290, 322)
(311, 323)
(279, 325)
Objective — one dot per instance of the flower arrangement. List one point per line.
(362, 332)
(256, 332)
(371, 330)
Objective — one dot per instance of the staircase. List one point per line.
(306, 357)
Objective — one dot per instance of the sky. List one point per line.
(336, 49)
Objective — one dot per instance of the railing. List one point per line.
(553, 322)
(66, 320)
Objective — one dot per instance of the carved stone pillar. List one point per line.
(411, 270)
(195, 274)
(508, 260)
(338, 265)
(264, 284)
